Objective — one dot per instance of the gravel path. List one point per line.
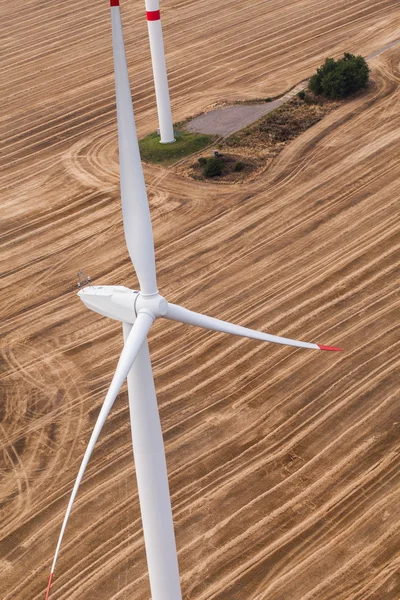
(224, 121)
(378, 52)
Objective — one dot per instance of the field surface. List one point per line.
(284, 464)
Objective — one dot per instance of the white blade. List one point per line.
(183, 315)
(135, 206)
(130, 350)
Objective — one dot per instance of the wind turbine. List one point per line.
(137, 310)
(159, 71)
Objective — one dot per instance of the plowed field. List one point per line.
(284, 464)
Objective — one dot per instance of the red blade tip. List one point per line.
(114, 2)
(331, 348)
(48, 586)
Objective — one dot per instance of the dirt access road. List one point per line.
(226, 120)
(284, 465)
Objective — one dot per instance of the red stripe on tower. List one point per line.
(114, 2)
(153, 15)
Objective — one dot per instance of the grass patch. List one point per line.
(166, 154)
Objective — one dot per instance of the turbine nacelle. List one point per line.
(122, 304)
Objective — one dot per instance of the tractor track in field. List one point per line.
(284, 465)
(227, 120)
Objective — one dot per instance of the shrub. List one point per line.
(238, 166)
(213, 168)
(268, 99)
(339, 79)
(301, 94)
(310, 100)
(202, 161)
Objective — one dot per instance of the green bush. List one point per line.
(213, 168)
(339, 79)
(301, 94)
(202, 161)
(268, 99)
(238, 166)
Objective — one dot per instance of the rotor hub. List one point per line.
(154, 304)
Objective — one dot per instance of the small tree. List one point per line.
(214, 167)
(339, 79)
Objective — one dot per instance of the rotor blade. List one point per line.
(183, 315)
(129, 352)
(135, 206)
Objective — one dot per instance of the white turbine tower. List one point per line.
(159, 71)
(137, 310)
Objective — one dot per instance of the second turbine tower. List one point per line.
(159, 72)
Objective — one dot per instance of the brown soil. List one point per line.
(284, 464)
(274, 131)
(223, 119)
(257, 145)
(230, 174)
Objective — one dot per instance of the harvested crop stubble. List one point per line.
(284, 465)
